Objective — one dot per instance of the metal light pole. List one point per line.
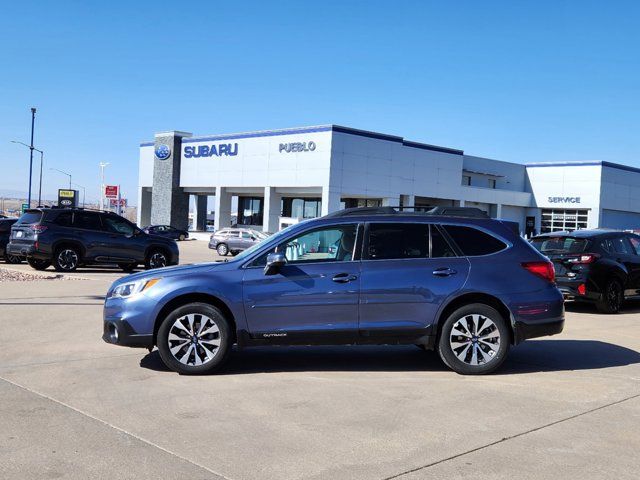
(102, 165)
(32, 148)
(84, 192)
(33, 120)
(64, 173)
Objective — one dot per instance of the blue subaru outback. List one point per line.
(466, 286)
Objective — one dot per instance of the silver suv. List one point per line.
(235, 240)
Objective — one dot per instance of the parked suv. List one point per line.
(598, 266)
(5, 233)
(69, 238)
(234, 240)
(466, 287)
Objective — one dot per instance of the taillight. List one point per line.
(37, 228)
(582, 289)
(583, 259)
(543, 270)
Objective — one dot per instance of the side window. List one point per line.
(246, 235)
(474, 242)
(118, 225)
(64, 219)
(87, 221)
(328, 244)
(622, 246)
(398, 240)
(439, 246)
(635, 243)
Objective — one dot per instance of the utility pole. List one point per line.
(33, 120)
(102, 165)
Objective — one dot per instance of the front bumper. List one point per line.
(129, 322)
(119, 332)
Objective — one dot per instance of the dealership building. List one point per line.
(273, 178)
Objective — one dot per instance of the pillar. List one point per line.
(271, 211)
(144, 207)
(200, 213)
(408, 201)
(222, 215)
(330, 201)
(169, 205)
(391, 201)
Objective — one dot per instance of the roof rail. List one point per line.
(469, 212)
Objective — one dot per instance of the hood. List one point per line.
(168, 272)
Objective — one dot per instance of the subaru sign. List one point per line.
(219, 150)
(163, 152)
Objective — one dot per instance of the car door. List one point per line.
(626, 251)
(408, 270)
(125, 243)
(87, 229)
(247, 239)
(233, 240)
(315, 295)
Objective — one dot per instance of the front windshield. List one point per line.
(275, 237)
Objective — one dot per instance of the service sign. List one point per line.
(67, 198)
(111, 191)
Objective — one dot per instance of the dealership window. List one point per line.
(557, 220)
(301, 207)
(360, 202)
(492, 183)
(466, 180)
(250, 210)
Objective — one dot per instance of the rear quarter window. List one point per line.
(473, 242)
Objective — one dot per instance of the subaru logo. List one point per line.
(163, 152)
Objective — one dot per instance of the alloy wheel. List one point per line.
(194, 339)
(158, 260)
(475, 339)
(67, 259)
(613, 296)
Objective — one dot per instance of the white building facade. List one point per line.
(269, 179)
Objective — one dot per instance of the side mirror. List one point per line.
(274, 262)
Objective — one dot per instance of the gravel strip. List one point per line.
(16, 276)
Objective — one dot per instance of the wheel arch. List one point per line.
(68, 243)
(156, 246)
(475, 297)
(195, 297)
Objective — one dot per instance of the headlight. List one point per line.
(126, 290)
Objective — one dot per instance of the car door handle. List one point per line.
(444, 272)
(344, 278)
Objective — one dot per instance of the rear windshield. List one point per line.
(29, 218)
(560, 244)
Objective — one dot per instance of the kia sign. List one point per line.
(67, 198)
(113, 202)
(111, 191)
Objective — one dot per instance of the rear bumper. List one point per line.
(524, 331)
(24, 250)
(569, 290)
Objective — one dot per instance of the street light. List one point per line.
(102, 165)
(64, 173)
(84, 192)
(41, 155)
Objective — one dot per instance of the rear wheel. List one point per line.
(181, 237)
(156, 259)
(222, 249)
(194, 339)
(13, 259)
(66, 259)
(612, 297)
(38, 264)
(474, 340)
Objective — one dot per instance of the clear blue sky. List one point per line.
(517, 81)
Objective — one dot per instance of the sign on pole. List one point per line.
(25, 207)
(67, 198)
(113, 202)
(111, 191)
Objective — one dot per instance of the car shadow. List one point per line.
(629, 306)
(531, 356)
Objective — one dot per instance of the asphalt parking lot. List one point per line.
(72, 406)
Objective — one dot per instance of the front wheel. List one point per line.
(612, 297)
(194, 339)
(38, 264)
(474, 340)
(223, 250)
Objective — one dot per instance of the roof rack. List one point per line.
(57, 207)
(468, 212)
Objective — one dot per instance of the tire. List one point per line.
(195, 354)
(66, 259)
(127, 267)
(181, 238)
(13, 259)
(38, 264)
(467, 353)
(156, 259)
(222, 249)
(612, 297)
